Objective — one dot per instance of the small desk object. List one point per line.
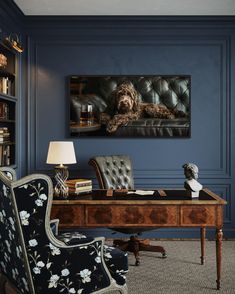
(165, 208)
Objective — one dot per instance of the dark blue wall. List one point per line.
(12, 21)
(202, 47)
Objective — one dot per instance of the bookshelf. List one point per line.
(8, 101)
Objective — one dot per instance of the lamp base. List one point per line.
(61, 175)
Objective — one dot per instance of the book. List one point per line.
(4, 111)
(78, 192)
(79, 186)
(3, 140)
(76, 183)
(5, 85)
(3, 129)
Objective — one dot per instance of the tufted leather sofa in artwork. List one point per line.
(170, 91)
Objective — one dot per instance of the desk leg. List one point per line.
(203, 236)
(219, 236)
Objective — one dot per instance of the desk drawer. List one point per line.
(128, 215)
(69, 215)
(198, 215)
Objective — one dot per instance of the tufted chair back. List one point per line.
(170, 91)
(113, 172)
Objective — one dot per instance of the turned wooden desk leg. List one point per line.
(203, 236)
(219, 237)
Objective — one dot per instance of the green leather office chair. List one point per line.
(115, 172)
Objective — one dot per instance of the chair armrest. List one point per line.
(89, 271)
(74, 238)
(9, 172)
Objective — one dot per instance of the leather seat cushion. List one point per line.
(153, 127)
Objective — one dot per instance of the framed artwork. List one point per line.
(130, 106)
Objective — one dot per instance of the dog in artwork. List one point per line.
(127, 107)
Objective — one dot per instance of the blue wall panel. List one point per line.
(148, 46)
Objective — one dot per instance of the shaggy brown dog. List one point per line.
(128, 108)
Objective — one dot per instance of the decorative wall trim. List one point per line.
(56, 23)
(222, 42)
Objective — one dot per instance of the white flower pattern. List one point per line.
(24, 216)
(53, 281)
(39, 202)
(44, 257)
(33, 242)
(65, 272)
(43, 197)
(54, 250)
(98, 259)
(85, 275)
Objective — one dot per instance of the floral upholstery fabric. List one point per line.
(115, 259)
(34, 259)
(11, 254)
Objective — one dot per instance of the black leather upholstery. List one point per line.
(153, 127)
(113, 172)
(173, 92)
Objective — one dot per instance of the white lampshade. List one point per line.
(61, 152)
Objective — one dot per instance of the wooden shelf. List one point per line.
(5, 73)
(8, 148)
(7, 121)
(7, 143)
(8, 97)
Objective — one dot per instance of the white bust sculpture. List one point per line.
(191, 184)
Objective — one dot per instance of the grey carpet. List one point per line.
(181, 272)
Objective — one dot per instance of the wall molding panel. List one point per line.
(223, 44)
(199, 46)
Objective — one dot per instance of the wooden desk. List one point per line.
(122, 210)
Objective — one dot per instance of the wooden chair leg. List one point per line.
(135, 245)
(153, 248)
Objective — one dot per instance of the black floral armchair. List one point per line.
(38, 262)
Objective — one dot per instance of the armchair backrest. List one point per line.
(13, 260)
(31, 256)
(113, 172)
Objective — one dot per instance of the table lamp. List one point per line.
(61, 152)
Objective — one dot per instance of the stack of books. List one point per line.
(4, 135)
(79, 186)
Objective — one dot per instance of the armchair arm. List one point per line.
(74, 268)
(10, 172)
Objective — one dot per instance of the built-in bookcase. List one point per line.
(8, 101)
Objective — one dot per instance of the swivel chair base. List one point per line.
(135, 245)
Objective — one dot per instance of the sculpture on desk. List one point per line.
(191, 184)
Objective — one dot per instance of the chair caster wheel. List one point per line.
(137, 263)
(164, 255)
